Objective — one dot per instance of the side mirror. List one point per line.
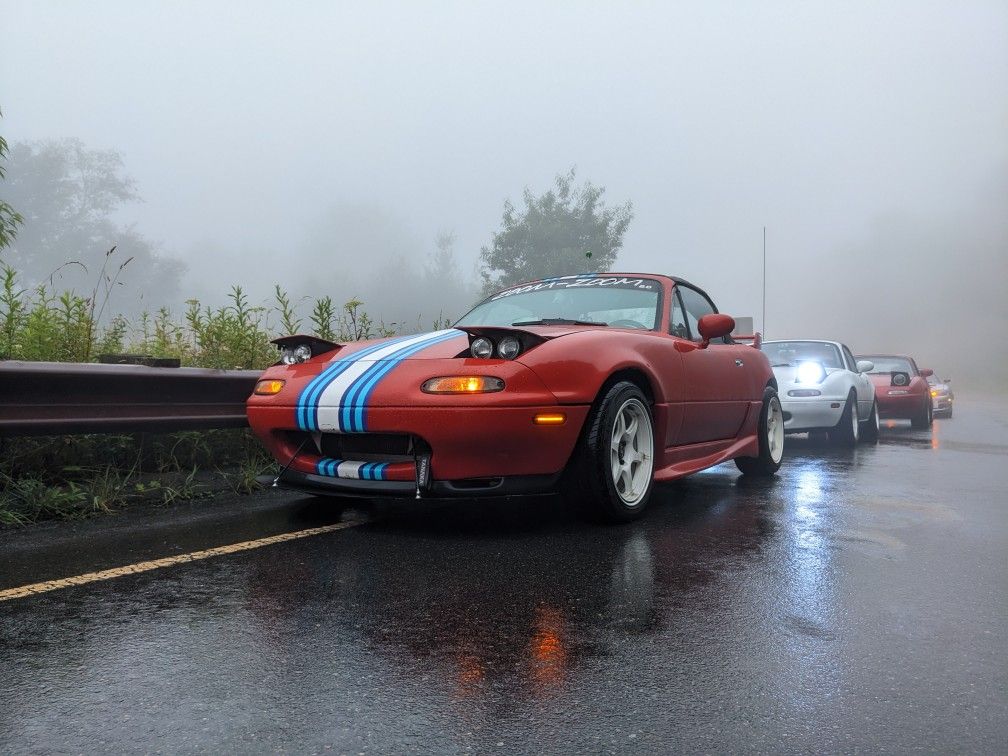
(926, 373)
(865, 366)
(714, 326)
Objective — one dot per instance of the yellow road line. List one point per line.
(156, 564)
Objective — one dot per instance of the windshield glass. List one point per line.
(603, 300)
(885, 365)
(790, 353)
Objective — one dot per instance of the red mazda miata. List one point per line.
(597, 385)
(901, 388)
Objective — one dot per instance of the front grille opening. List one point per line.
(384, 446)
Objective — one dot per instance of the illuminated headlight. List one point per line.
(300, 353)
(509, 347)
(811, 372)
(462, 384)
(481, 347)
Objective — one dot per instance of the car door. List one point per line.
(862, 384)
(716, 393)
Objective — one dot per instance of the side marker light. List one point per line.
(550, 418)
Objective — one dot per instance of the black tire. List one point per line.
(588, 480)
(847, 430)
(870, 427)
(765, 464)
(925, 419)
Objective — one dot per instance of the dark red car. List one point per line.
(596, 384)
(901, 388)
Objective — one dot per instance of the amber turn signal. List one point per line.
(550, 418)
(268, 387)
(462, 384)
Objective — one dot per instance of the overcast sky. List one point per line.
(871, 139)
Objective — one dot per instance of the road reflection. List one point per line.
(477, 598)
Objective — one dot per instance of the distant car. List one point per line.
(822, 387)
(901, 388)
(942, 396)
(598, 385)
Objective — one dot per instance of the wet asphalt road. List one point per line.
(857, 602)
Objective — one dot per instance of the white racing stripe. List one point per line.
(331, 398)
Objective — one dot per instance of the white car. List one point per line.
(822, 387)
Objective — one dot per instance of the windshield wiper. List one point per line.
(557, 322)
(782, 364)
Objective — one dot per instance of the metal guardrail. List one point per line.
(44, 398)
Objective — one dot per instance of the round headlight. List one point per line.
(287, 356)
(509, 347)
(811, 372)
(302, 353)
(481, 347)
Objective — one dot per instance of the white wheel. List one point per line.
(770, 435)
(631, 452)
(775, 430)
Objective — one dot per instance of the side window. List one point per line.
(678, 318)
(849, 359)
(697, 305)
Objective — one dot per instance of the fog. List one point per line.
(324, 146)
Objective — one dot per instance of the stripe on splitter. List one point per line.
(335, 384)
(355, 398)
(340, 468)
(308, 399)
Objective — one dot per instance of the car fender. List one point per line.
(575, 367)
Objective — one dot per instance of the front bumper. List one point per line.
(900, 406)
(941, 403)
(477, 444)
(519, 485)
(811, 413)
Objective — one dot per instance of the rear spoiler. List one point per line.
(755, 338)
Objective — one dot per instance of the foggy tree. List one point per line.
(445, 283)
(568, 229)
(68, 195)
(10, 219)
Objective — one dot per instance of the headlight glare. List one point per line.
(481, 347)
(811, 372)
(508, 347)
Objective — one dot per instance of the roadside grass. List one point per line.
(43, 478)
(73, 477)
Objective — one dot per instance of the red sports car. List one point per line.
(901, 389)
(598, 385)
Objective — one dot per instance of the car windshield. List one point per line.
(615, 301)
(884, 365)
(790, 353)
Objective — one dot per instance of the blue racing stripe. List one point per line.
(311, 393)
(366, 384)
(327, 466)
(346, 420)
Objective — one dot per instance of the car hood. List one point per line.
(788, 374)
(448, 343)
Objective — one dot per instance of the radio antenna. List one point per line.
(763, 319)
